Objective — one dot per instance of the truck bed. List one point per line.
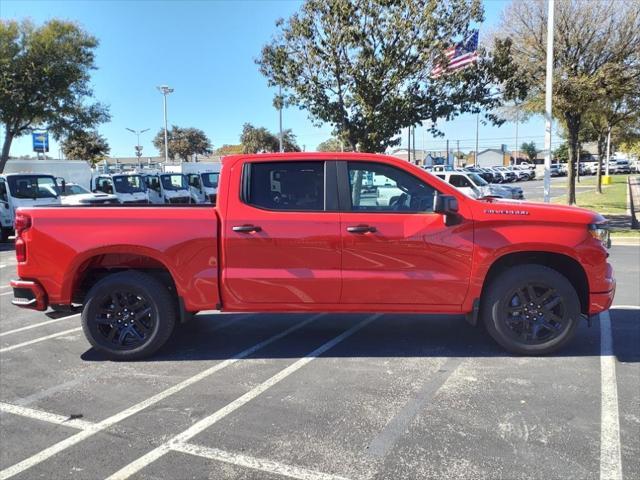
(75, 243)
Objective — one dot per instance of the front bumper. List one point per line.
(28, 294)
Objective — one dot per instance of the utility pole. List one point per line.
(415, 157)
(475, 157)
(606, 168)
(280, 116)
(548, 104)
(409, 145)
(447, 158)
(138, 147)
(458, 150)
(515, 158)
(165, 90)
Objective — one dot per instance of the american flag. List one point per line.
(462, 54)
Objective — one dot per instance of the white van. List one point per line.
(24, 190)
(73, 171)
(168, 188)
(202, 178)
(129, 188)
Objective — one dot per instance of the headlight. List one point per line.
(600, 231)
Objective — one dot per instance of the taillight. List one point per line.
(22, 223)
(21, 250)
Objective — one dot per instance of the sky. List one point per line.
(206, 51)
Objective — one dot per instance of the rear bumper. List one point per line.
(601, 301)
(28, 294)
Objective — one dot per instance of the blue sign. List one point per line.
(40, 141)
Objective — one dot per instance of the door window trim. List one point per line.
(330, 190)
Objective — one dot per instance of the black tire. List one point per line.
(132, 306)
(531, 310)
(4, 234)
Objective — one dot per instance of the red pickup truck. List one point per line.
(328, 232)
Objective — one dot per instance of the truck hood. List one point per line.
(505, 209)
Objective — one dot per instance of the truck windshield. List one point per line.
(174, 182)
(32, 186)
(128, 183)
(210, 180)
(73, 190)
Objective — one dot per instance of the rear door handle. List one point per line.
(361, 229)
(246, 228)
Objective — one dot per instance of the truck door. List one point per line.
(195, 187)
(281, 239)
(395, 249)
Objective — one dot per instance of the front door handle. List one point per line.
(246, 228)
(361, 229)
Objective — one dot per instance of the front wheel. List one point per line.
(531, 310)
(128, 315)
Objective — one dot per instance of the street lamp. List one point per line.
(165, 90)
(138, 147)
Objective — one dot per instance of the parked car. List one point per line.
(167, 188)
(473, 185)
(619, 166)
(557, 170)
(24, 190)
(130, 188)
(507, 175)
(484, 173)
(296, 232)
(522, 174)
(202, 178)
(74, 194)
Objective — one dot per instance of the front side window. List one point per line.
(285, 185)
(376, 187)
(73, 190)
(128, 183)
(194, 180)
(33, 186)
(210, 180)
(3, 191)
(174, 182)
(459, 181)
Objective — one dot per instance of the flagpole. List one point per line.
(548, 104)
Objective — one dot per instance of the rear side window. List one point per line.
(297, 186)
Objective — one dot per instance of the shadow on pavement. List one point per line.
(393, 335)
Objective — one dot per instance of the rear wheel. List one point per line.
(531, 310)
(128, 315)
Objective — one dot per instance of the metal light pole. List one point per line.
(515, 159)
(165, 90)
(606, 168)
(548, 104)
(137, 134)
(475, 159)
(280, 115)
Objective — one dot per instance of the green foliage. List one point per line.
(596, 58)
(334, 145)
(228, 150)
(364, 66)
(89, 146)
(530, 149)
(45, 81)
(261, 140)
(183, 143)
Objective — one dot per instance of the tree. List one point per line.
(530, 149)
(89, 146)
(561, 154)
(228, 150)
(183, 143)
(364, 66)
(259, 139)
(334, 145)
(595, 47)
(45, 81)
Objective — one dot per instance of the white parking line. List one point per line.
(40, 339)
(610, 459)
(4, 287)
(628, 307)
(45, 416)
(260, 464)
(206, 422)
(41, 324)
(118, 417)
(6, 293)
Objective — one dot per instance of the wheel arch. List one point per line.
(561, 263)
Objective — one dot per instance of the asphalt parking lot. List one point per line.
(321, 397)
(534, 189)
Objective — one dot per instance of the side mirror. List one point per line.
(447, 205)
